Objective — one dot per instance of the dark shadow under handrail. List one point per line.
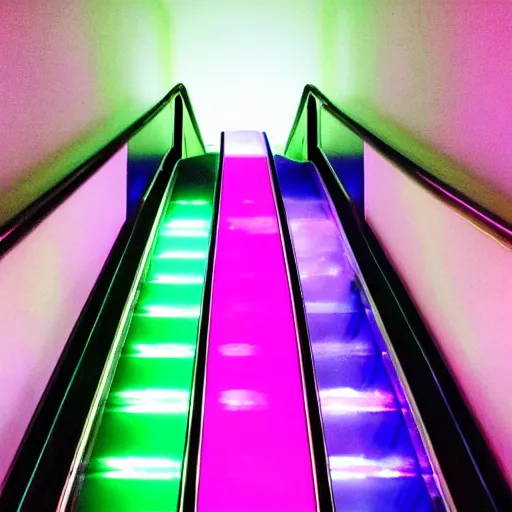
(19, 226)
(488, 221)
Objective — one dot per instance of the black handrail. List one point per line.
(15, 229)
(490, 222)
(468, 465)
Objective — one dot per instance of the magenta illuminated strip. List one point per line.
(6, 234)
(255, 453)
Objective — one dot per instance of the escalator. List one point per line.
(139, 443)
(256, 451)
(253, 365)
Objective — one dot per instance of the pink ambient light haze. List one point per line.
(255, 454)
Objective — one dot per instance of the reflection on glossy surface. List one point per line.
(136, 459)
(255, 454)
(140, 468)
(347, 467)
(375, 466)
(243, 400)
(183, 255)
(238, 350)
(345, 400)
(164, 350)
(156, 401)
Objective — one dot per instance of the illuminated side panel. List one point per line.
(137, 454)
(255, 453)
(376, 457)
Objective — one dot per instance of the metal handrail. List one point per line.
(19, 226)
(489, 222)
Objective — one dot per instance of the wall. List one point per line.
(429, 75)
(73, 74)
(432, 79)
(245, 63)
(460, 278)
(44, 283)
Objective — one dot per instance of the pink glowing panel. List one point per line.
(255, 453)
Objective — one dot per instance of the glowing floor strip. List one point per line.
(255, 453)
(137, 457)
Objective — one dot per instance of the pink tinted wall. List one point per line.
(72, 75)
(429, 75)
(460, 279)
(432, 78)
(44, 283)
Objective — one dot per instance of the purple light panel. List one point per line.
(255, 453)
(376, 458)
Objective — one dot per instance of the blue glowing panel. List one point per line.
(374, 463)
(350, 172)
(141, 170)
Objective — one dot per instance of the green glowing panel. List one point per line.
(137, 453)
